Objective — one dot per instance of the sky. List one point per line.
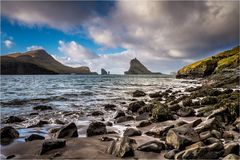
(163, 35)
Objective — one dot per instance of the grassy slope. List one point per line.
(226, 59)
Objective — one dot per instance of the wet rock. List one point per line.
(105, 138)
(174, 107)
(96, 128)
(40, 123)
(108, 123)
(57, 121)
(180, 123)
(228, 135)
(232, 148)
(139, 93)
(213, 151)
(161, 113)
(152, 146)
(132, 132)
(209, 124)
(155, 95)
(135, 106)
(10, 156)
(209, 101)
(159, 131)
(227, 91)
(144, 116)
(191, 89)
(196, 145)
(13, 119)
(185, 111)
(196, 122)
(33, 114)
(187, 102)
(51, 144)
(33, 137)
(171, 154)
(179, 137)
(8, 133)
(67, 131)
(97, 113)
(144, 123)
(211, 140)
(110, 107)
(231, 157)
(124, 119)
(42, 108)
(121, 147)
(145, 109)
(118, 113)
(53, 130)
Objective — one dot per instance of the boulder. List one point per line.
(96, 128)
(42, 107)
(57, 121)
(231, 148)
(124, 119)
(110, 107)
(155, 95)
(121, 147)
(139, 93)
(33, 137)
(143, 123)
(174, 107)
(51, 144)
(152, 146)
(209, 101)
(208, 125)
(135, 106)
(132, 132)
(97, 113)
(170, 154)
(13, 119)
(187, 102)
(159, 131)
(179, 137)
(143, 116)
(185, 111)
(8, 133)
(67, 131)
(161, 113)
(40, 123)
(228, 135)
(231, 157)
(118, 113)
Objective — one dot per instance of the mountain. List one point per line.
(218, 64)
(136, 67)
(36, 62)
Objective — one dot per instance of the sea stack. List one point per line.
(136, 67)
(103, 72)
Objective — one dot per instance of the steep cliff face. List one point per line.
(103, 72)
(36, 62)
(136, 67)
(219, 63)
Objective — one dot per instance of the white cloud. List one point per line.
(34, 47)
(8, 43)
(75, 50)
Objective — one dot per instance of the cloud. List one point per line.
(75, 50)
(34, 47)
(62, 15)
(8, 43)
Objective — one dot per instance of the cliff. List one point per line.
(36, 62)
(217, 64)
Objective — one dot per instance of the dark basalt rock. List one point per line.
(122, 147)
(124, 119)
(110, 107)
(185, 112)
(33, 137)
(155, 95)
(159, 131)
(42, 108)
(209, 101)
(152, 146)
(136, 67)
(232, 148)
(144, 123)
(8, 132)
(161, 113)
(105, 138)
(171, 154)
(97, 113)
(231, 157)
(40, 123)
(139, 93)
(13, 119)
(208, 125)
(118, 113)
(51, 144)
(96, 128)
(103, 72)
(135, 106)
(67, 131)
(132, 132)
(57, 121)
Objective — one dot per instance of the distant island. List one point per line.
(136, 67)
(37, 62)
